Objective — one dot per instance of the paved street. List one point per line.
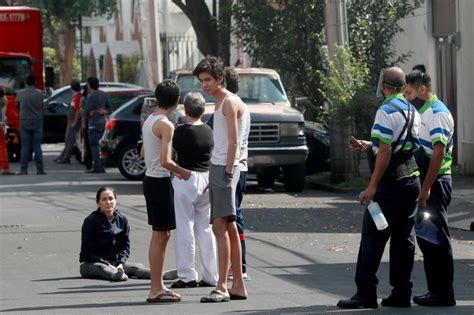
(302, 250)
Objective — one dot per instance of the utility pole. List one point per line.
(335, 24)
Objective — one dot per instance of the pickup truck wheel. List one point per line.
(294, 177)
(265, 179)
(130, 164)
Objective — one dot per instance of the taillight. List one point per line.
(111, 124)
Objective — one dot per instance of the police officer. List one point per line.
(434, 161)
(395, 186)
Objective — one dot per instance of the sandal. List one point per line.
(164, 297)
(215, 297)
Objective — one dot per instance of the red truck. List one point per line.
(21, 53)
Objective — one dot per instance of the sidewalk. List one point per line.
(461, 210)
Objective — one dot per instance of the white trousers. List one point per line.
(192, 212)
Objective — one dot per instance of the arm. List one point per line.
(381, 163)
(77, 110)
(230, 114)
(439, 151)
(165, 130)
(123, 242)
(88, 243)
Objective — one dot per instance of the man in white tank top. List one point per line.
(223, 178)
(157, 143)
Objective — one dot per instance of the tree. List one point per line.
(372, 26)
(213, 35)
(59, 19)
(284, 35)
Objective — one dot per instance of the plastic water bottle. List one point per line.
(377, 215)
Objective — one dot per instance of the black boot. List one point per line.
(358, 302)
(434, 299)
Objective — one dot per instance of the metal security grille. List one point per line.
(264, 133)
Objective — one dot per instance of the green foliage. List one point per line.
(346, 76)
(372, 26)
(128, 68)
(287, 39)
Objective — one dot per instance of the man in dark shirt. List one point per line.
(97, 108)
(30, 102)
(193, 143)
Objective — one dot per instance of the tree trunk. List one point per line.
(225, 15)
(204, 25)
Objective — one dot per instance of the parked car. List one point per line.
(56, 107)
(119, 143)
(277, 144)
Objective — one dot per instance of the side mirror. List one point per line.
(301, 104)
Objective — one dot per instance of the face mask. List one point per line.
(417, 102)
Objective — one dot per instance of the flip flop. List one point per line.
(215, 297)
(165, 297)
(237, 297)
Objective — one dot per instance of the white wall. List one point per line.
(465, 83)
(417, 37)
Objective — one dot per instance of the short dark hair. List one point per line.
(419, 78)
(30, 79)
(93, 83)
(419, 67)
(75, 85)
(194, 104)
(232, 80)
(102, 189)
(212, 65)
(166, 93)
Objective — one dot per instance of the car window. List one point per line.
(63, 97)
(189, 83)
(117, 100)
(261, 88)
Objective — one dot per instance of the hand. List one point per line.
(357, 145)
(229, 173)
(423, 198)
(120, 268)
(367, 195)
(186, 175)
(73, 124)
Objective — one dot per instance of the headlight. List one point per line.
(291, 130)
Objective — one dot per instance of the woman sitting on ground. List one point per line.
(105, 245)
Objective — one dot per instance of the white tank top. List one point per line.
(220, 135)
(152, 146)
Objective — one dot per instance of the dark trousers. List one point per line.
(87, 151)
(103, 271)
(239, 195)
(31, 136)
(433, 238)
(95, 134)
(398, 202)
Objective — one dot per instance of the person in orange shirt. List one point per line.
(4, 166)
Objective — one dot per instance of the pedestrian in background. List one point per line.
(4, 165)
(73, 124)
(157, 133)
(86, 155)
(97, 109)
(193, 144)
(105, 245)
(434, 160)
(395, 186)
(223, 177)
(30, 103)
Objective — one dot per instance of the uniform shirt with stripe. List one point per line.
(389, 124)
(437, 125)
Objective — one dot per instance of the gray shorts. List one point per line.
(222, 192)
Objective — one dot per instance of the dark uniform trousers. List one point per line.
(398, 201)
(433, 238)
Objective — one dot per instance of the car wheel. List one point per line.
(294, 177)
(130, 164)
(266, 178)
